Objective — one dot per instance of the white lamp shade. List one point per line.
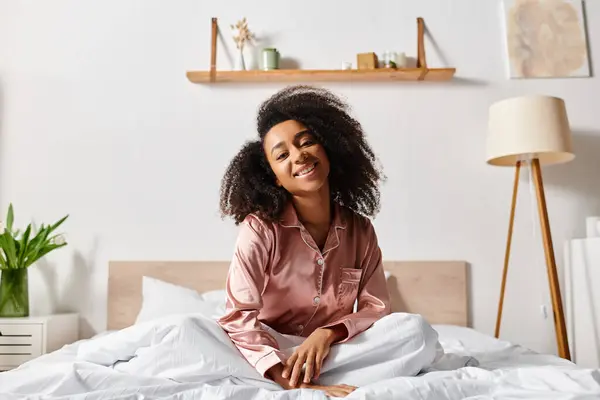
(529, 127)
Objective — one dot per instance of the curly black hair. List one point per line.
(248, 185)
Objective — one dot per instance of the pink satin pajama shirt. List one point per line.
(279, 277)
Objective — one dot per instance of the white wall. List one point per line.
(99, 121)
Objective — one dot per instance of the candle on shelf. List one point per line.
(401, 60)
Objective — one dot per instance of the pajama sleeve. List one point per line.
(244, 286)
(373, 297)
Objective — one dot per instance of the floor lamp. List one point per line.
(532, 130)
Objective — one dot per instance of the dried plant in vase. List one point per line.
(18, 251)
(242, 35)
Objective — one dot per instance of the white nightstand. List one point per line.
(23, 339)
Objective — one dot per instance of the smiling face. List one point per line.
(299, 162)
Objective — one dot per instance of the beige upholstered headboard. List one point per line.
(435, 289)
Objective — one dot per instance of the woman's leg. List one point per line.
(399, 344)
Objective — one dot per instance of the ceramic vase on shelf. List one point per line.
(240, 64)
(270, 59)
(14, 293)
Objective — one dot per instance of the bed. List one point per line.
(162, 342)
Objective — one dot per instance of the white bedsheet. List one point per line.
(188, 357)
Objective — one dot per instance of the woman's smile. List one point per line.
(306, 170)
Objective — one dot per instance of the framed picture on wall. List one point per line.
(545, 38)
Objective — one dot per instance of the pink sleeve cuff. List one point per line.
(349, 327)
(273, 358)
(357, 322)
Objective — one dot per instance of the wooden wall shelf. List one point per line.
(293, 75)
(420, 73)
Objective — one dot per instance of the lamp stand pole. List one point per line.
(511, 222)
(558, 313)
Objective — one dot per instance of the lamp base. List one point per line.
(559, 316)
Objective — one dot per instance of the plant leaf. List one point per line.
(10, 250)
(21, 253)
(36, 244)
(10, 217)
(17, 247)
(24, 244)
(42, 253)
(57, 224)
(3, 264)
(37, 236)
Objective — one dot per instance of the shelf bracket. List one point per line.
(421, 61)
(213, 51)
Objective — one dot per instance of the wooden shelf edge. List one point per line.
(354, 75)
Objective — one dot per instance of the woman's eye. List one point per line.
(307, 143)
(281, 156)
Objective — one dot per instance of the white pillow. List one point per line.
(215, 296)
(161, 299)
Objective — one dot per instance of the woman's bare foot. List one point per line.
(333, 390)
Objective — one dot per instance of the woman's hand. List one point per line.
(312, 352)
(275, 373)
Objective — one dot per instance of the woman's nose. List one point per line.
(301, 156)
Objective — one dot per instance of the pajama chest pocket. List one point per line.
(348, 289)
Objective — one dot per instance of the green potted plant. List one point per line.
(17, 253)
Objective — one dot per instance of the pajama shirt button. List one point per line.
(317, 300)
(320, 261)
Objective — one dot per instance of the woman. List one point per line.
(306, 250)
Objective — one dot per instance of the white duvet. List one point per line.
(190, 357)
